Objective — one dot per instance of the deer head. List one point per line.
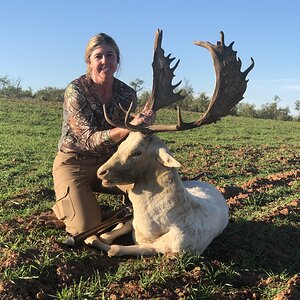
(230, 86)
(137, 157)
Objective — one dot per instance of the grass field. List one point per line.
(254, 163)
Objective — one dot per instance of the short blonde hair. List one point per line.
(96, 41)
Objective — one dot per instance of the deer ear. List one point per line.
(167, 159)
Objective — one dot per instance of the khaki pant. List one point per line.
(75, 182)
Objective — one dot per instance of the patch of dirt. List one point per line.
(283, 212)
(292, 290)
(235, 194)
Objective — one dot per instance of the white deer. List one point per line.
(170, 215)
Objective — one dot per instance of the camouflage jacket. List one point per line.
(85, 131)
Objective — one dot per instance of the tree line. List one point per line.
(11, 89)
(200, 102)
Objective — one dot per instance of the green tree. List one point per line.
(188, 93)
(200, 103)
(4, 82)
(297, 108)
(137, 85)
(246, 110)
(272, 111)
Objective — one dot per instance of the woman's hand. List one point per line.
(146, 116)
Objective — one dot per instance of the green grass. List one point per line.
(256, 256)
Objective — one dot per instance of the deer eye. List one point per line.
(136, 154)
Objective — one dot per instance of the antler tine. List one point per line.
(131, 127)
(126, 124)
(112, 123)
(162, 89)
(230, 86)
(246, 72)
(132, 115)
(108, 119)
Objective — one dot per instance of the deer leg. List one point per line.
(119, 230)
(170, 242)
(95, 242)
(133, 250)
(118, 250)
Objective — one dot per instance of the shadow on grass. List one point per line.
(258, 245)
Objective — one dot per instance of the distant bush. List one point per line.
(50, 94)
(272, 111)
(11, 89)
(246, 110)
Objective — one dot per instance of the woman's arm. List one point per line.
(80, 121)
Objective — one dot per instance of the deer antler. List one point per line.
(229, 89)
(162, 89)
(231, 83)
(126, 124)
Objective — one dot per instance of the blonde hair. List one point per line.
(96, 41)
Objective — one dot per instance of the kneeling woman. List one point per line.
(87, 140)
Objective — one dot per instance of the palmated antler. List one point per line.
(163, 91)
(229, 89)
(230, 84)
(162, 88)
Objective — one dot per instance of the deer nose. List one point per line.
(101, 173)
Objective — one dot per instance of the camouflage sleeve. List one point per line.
(81, 121)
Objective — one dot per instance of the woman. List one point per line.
(87, 140)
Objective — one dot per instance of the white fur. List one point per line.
(169, 215)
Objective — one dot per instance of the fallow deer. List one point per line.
(170, 215)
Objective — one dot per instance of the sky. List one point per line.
(43, 42)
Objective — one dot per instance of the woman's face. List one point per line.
(103, 63)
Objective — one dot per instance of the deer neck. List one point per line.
(159, 182)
